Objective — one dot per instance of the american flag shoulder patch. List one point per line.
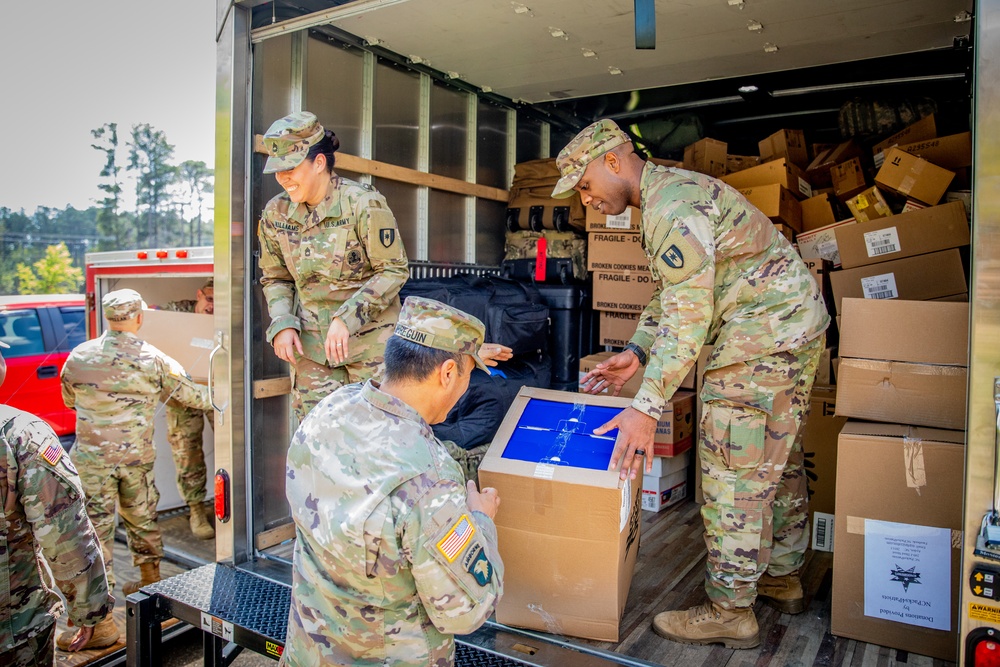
(52, 453)
(457, 538)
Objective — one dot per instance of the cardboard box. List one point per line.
(817, 211)
(848, 179)
(870, 329)
(818, 171)
(616, 251)
(822, 243)
(568, 527)
(617, 329)
(789, 144)
(914, 205)
(919, 476)
(659, 493)
(869, 205)
(922, 130)
(187, 337)
(668, 465)
(951, 152)
(629, 221)
(776, 202)
(676, 429)
(914, 233)
(736, 163)
(780, 171)
(913, 177)
(819, 443)
(707, 156)
(627, 292)
(919, 278)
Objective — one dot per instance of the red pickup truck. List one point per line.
(41, 330)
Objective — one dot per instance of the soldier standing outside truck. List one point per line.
(332, 264)
(394, 551)
(115, 382)
(186, 426)
(44, 516)
(725, 275)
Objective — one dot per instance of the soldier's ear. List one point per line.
(612, 161)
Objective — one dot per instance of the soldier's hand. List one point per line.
(81, 638)
(611, 374)
(286, 343)
(635, 441)
(491, 353)
(336, 341)
(486, 501)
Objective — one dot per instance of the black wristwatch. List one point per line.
(637, 351)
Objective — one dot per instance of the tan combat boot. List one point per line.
(106, 634)
(150, 573)
(200, 525)
(709, 624)
(782, 593)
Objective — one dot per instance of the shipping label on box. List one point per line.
(913, 177)
(629, 221)
(628, 292)
(616, 251)
(920, 278)
(822, 243)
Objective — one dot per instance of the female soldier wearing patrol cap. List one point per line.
(332, 264)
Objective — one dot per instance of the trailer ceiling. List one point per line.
(537, 50)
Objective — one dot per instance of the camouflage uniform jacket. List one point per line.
(725, 276)
(43, 513)
(389, 559)
(344, 258)
(114, 382)
(182, 306)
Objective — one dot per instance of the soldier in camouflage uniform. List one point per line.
(725, 276)
(44, 515)
(185, 427)
(394, 551)
(115, 382)
(332, 264)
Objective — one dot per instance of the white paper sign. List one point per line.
(882, 242)
(908, 573)
(880, 287)
(620, 221)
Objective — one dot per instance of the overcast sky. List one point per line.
(69, 66)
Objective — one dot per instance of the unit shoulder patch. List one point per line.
(679, 256)
(478, 565)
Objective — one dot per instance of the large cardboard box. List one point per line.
(914, 233)
(736, 163)
(822, 243)
(819, 443)
(914, 177)
(776, 202)
(848, 178)
(818, 171)
(919, 278)
(780, 171)
(623, 291)
(629, 221)
(911, 479)
(951, 152)
(675, 432)
(870, 329)
(617, 329)
(817, 211)
(187, 337)
(568, 527)
(922, 130)
(789, 144)
(707, 156)
(616, 251)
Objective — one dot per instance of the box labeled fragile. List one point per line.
(568, 526)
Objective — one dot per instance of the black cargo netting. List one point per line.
(467, 656)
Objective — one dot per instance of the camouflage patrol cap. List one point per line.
(593, 141)
(434, 324)
(289, 139)
(122, 304)
(209, 284)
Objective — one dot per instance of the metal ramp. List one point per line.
(236, 609)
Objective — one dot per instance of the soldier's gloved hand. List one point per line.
(486, 501)
(336, 341)
(611, 374)
(285, 343)
(635, 441)
(491, 353)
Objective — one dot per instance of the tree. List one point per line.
(148, 155)
(54, 273)
(116, 230)
(196, 180)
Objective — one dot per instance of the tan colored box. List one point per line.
(870, 329)
(822, 243)
(922, 130)
(736, 163)
(616, 251)
(550, 510)
(901, 474)
(906, 235)
(629, 221)
(707, 156)
(818, 171)
(187, 337)
(817, 211)
(869, 205)
(919, 278)
(789, 144)
(913, 177)
(626, 292)
(675, 431)
(617, 329)
(776, 202)
(848, 179)
(819, 442)
(951, 152)
(631, 387)
(780, 171)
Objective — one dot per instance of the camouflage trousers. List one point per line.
(135, 491)
(312, 382)
(37, 651)
(750, 449)
(185, 429)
